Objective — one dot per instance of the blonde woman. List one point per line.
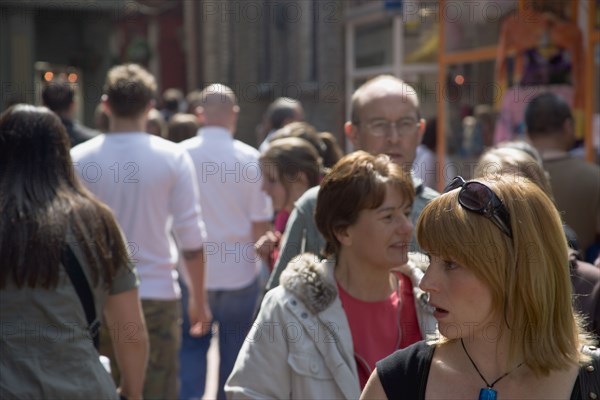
(502, 296)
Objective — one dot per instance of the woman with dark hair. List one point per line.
(324, 142)
(290, 166)
(51, 226)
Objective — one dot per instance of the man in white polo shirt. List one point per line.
(237, 213)
(150, 184)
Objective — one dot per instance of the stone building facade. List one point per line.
(267, 49)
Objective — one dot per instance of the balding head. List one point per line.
(217, 106)
(386, 119)
(382, 86)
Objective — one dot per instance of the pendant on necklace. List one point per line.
(487, 394)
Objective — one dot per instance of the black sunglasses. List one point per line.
(477, 197)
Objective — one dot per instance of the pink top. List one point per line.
(281, 220)
(381, 327)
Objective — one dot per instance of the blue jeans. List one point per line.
(233, 310)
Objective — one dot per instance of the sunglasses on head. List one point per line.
(479, 198)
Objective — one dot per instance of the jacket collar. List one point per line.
(311, 281)
(418, 184)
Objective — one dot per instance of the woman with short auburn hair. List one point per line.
(320, 333)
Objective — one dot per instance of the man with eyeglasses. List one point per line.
(385, 120)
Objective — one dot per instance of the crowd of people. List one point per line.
(319, 274)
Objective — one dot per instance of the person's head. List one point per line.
(386, 120)
(217, 106)
(182, 126)
(59, 96)
(364, 206)
(41, 200)
(515, 164)
(333, 151)
(302, 130)
(193, 100)
(289, 166)
(129, 91)
(156, 124)
(524, 146)
(34, 151)
(283, 111)
(172, 99)
(483, 281)
(549, 120)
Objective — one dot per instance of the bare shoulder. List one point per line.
(451, 377)
(373, 389)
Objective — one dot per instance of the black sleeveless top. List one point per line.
(404, 373)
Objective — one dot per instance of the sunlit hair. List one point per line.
(514, 163)
(303, 130)
(523, 146)
(528, 276)
(333, 151)
(291, 157)
(324, 142)
(41, 200)
(357, 182)
(172, 98)
(129, 89)
(283, 109)
(385, 82)
(182, 126)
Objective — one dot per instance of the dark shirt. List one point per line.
(77, 132)
(404, 373)
(586, 289)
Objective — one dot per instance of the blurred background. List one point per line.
(456, 54)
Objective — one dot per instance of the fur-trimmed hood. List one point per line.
(311, 280)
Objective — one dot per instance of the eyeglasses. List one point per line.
(479, 198)
(383, 127)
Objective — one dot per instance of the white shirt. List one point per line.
(150, 185)
(264, 146)
(229, 180)
(424, 166)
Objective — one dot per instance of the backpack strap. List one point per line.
(82, 287)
